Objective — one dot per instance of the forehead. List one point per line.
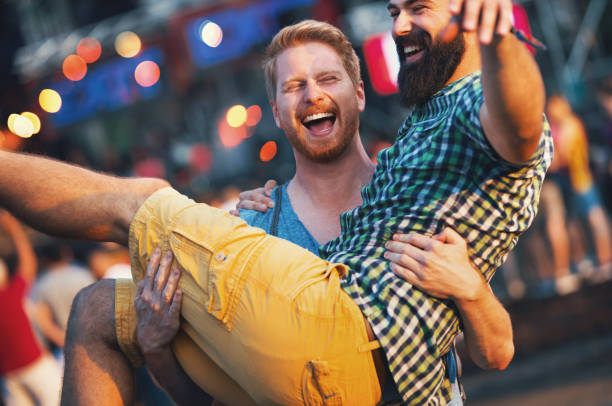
(406, 3)
(307, 59)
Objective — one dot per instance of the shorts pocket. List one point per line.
(318, 385)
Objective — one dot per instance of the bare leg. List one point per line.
(96, 372)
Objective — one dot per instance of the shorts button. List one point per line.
(220, 257)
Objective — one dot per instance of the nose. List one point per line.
(402, 24)
(312, 92)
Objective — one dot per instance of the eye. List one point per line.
(328, 79)
(418, 9)
(292, 87)
(393, 13)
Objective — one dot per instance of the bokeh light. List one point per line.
(50, 100)
(11, 122)
(34, 120)
(23, 127)
(211, 34)
(231, 136)
(89, 49)
(268, 151)
(128, 44)
(236, 116)
(74, 67)
(253, 116)
(147, 73)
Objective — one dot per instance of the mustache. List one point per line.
(417, 37)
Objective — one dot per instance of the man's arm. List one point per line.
(70, 201)
(158, 303)
(512, 84)
(440, 266)
(27, 264)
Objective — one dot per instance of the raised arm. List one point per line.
(27, 263)
(512, 84)
(441, 267)
(70, 201)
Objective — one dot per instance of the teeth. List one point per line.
(411, 49)
(317, 116)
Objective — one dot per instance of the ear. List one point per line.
(360, 94)
(275, 114)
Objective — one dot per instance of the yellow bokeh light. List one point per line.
(237, 116)
(11, 122)
(50, 101)
(23, 127)
(33, 119)
(211, 34)
(127, 44)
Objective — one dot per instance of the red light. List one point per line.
(89, 49)
(268, 151)
(253, 116)
(147, 73)
(74, 67)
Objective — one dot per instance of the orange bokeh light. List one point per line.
(253, 116)
(89, 49)
(268, 151)
(74, 67)
(147, 73)
(231, 136)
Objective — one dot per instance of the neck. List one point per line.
(471, 60)
(320, 192)
(333, 184)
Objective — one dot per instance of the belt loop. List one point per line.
(370, 346)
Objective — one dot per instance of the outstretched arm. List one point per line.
(70, 201)
(27, 263)
(512, 84)
(440, 266)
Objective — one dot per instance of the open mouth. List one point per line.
(319, 124)
(412, 53)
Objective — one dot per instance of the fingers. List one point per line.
(152, 270)
(455, 6)
(175, 307)
(163, 272)
(404, 261)
(418, 240)
(450, 236)
(506, 17)
(485, 16)
(471, 14)
(255, 200)
(487, 22)
(269, 186)
(405, 273)
(171, 286)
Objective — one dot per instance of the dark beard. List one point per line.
(418, 82)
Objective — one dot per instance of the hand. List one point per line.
(8, 221)
(485, 16)
(257, 199)
(438, 265)
(158, 304)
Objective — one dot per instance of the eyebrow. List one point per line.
(405, 3)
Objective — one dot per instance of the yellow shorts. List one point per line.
(263, 320)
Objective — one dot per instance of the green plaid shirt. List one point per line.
(440, 172)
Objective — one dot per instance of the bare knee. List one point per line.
(92, 314)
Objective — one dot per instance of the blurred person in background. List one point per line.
(54, 291)
(572, 176)
(30, 374)
(110, 261)
(517, 144)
